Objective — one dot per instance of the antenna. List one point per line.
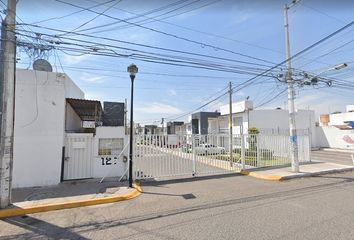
(42, 65)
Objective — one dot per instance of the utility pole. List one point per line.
(289, 80)
(163, 125)
(230, 122)
(7, 105)
(125, 117)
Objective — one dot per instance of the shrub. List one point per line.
(253, 130)
(265, 154)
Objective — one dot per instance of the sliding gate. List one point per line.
(161, 156)
(171, 156)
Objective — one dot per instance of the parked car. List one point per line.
(187, 148)
(206, 149)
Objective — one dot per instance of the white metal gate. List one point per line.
(78, 156)
(169, 156)
(166, 156)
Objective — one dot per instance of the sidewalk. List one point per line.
(69, 194)
(309, 169)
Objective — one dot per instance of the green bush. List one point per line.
(265, 153)
(253, 130)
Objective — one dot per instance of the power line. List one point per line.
(309, 47)
(186, 28)
(70, 14)
(94, 18)
(170, 35)
(153, 19)
(168, 59)
(146, 73)
(246, 83)
(323, 13)
(135, 44)
(272, 99)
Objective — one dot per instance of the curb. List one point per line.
(262, 176)
(17, 211)
(300, 175)
(319, 173)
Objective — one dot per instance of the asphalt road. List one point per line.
(225, 207)
(338, 157)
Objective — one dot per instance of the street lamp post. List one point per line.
(132, 69)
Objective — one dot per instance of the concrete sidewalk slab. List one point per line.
(72, 188)
(306, 170)
(69, 197)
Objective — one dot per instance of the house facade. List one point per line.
(267, 121)
(336, 130)
(59, 135)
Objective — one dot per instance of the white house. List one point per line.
(336, 130)
(51, 142)
(269, 121)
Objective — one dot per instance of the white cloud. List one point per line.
(160, 108)
(93, 96)
(304, 101)
(239, 93)
(69, 59)
(91, 78)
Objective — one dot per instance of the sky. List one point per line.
(245, 36)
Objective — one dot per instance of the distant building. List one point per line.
(268, 121)
(199, 121)
(150, 129)
(336, 130)
(342, 120)
(173, 127)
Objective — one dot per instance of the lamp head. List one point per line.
(340, 66)
(132, 69)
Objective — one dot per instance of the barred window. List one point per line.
(110, 146)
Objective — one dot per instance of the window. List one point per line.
(110, 146)
(238, 121)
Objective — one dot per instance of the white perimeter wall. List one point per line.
(333, 137)
(274, 119)
(103, 170)
(341, 118)
(39, 126)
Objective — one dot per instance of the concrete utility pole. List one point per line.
(289, 80)
(163, 124)
(230, 122)
(125, 117)
(7, 79)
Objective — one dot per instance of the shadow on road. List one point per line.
(260, 200)
(39, 228)
(160, 183)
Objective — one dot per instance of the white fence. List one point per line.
(166, 156)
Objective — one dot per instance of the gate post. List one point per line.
(258, 151)
(309, 135)
(193, 157)
(243, 151)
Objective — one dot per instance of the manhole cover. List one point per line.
(189, 196)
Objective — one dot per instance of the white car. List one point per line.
(209, 149)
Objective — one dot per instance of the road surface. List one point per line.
(217, 207)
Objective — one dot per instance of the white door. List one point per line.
(78, 156)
